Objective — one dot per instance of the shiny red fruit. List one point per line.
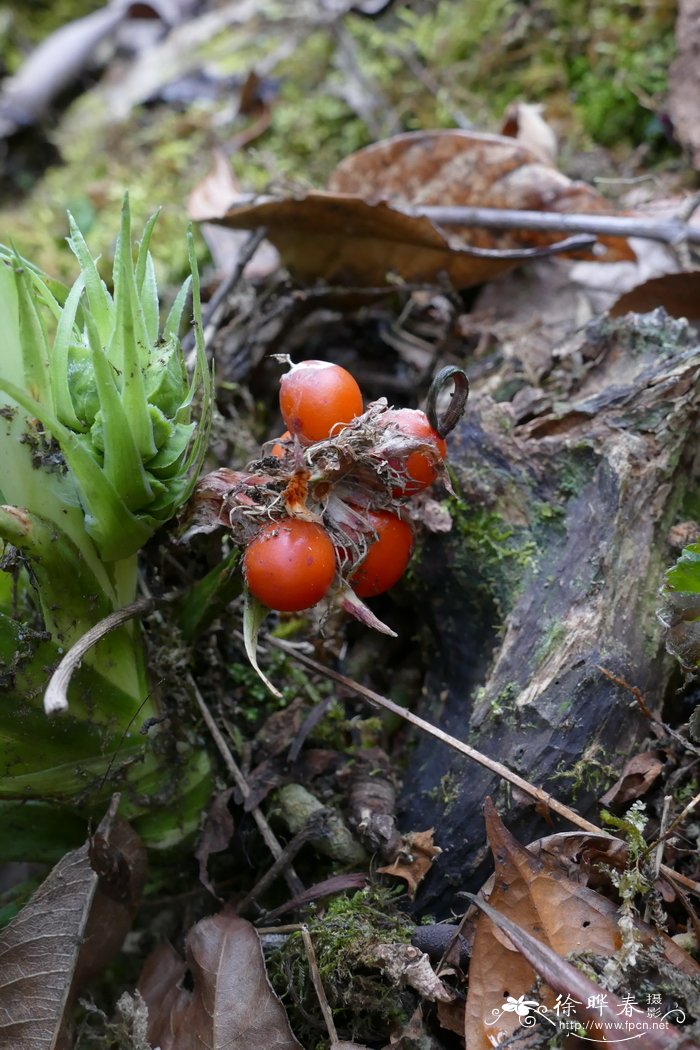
(290, 564)
(417, 468)
(387, 557)
(315, 396)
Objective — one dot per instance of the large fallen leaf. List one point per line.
(364, 229)
(537, 894)
(231, 1005)
(66, 934)
(468, 168)
(601, 1014)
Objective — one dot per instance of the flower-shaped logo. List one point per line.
(520, 1006)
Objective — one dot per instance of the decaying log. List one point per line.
(552, 571)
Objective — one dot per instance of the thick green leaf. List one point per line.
(166, 378)
(60, 358)
(208, 597)
(174, 320)
(58, 568)
(130, 346)
(99, 299)
(146, 282)
(116, 532)
(39, 831)
(108, 689)
(123, 465)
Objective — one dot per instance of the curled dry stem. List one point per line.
(457, 404)
(56, 695)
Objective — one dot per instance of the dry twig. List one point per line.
(543, 797)
(295, 884)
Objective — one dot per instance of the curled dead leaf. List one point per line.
(415, 859)
(538, 894)
(231, 1003)
(637, 777)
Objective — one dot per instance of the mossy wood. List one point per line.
(551, 572)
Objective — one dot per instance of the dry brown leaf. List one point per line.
(532, 892)
(415, 859)
(684, 79)
(468, 168)
(363, 231)
(677, 293)
(209, 200)
(537, 894)
(637, 777)
(66, 934)
(451, 1016)
(582, 1003)
(231, 1005)
(348, 241)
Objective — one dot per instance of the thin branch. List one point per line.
(543, 797)
(668, 231)
(646, 710)
(217, 304)
(295, 884)
(671, 231)
(666, 832)
(318, 985)
(313, 827)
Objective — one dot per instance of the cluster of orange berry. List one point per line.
(349, 476)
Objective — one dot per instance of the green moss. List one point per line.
(363, 1003)
(491, 550)
(591, 774)
(447, 791)
(253, 701)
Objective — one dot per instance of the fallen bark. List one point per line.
(550, 573)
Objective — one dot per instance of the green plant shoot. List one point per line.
(99, 447)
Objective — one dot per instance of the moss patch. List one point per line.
(493, 553)
(363, 1003)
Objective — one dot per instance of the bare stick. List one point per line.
(502, 771)
(295, 884)
(646, 711)
(669, 231)
(56, 695)
(318, 985)
(311, 829)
